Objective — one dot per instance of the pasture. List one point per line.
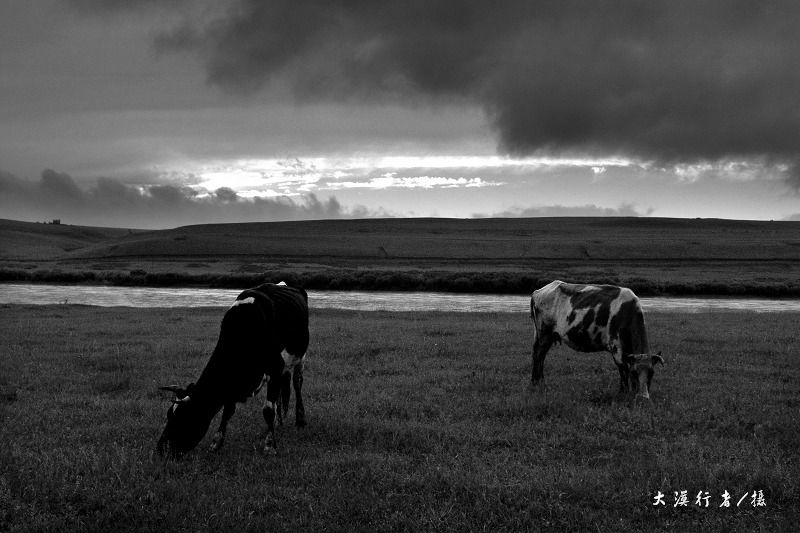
(417, 422)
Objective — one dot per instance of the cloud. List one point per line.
(171, 195)
(589, 210)
(671, 82)
(12, 185)
(115, 5)
(226, 194)
(60, 185)
(107, 202)
(390, 181)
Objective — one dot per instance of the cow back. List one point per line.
(237, 364)
(587, 314)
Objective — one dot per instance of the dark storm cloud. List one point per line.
(675, 81)
(171, 195)
(107, 202)
(60, 185)
(115, 5)
(226, 194)
(12, 185)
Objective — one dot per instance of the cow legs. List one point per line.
(271, 401)
(297, 381)
(286, 392)
(624, 378)
(619, 359)
(541, 346)
(219, 436)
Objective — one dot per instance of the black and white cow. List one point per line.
(593, 318)
(255, 331)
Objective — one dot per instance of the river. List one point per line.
(112, 296)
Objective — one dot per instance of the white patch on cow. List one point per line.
(268, 407)
(282, 284)
(249, 300)
(264, 380)
(290, 361)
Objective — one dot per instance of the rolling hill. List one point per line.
(609, 239)
(662, 252)
(30, 241)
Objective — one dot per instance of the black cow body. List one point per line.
(261, 324)
(593, 318)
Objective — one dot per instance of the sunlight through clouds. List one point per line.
(296, 175)
(453, 185)
(389, 180)
(736, 171)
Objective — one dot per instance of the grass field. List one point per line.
(650, 255)
(417, 422)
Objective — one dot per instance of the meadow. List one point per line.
(417, 422)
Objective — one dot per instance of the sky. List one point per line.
(156, 114)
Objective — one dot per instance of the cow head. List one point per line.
(636, 372)
(187, 423)
(640, 368)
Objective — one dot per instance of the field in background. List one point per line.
(417, 422)
(650, 255)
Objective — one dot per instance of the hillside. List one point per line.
(498, 255)
(28, 241)
(490, 240)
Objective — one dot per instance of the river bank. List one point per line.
(743, 279)
(163, 297)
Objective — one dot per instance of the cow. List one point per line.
(261, 324)
(594, 318)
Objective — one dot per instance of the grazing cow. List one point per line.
(261, 324)
(593, 318)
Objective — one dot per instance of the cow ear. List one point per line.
(657, 359)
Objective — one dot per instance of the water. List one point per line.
(108, 296)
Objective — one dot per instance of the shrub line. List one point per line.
(419, 281)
